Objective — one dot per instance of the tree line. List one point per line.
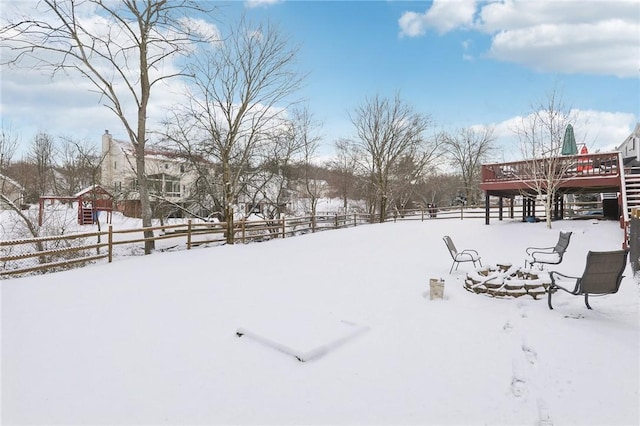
(240, 112)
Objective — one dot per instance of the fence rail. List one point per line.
(55, 253)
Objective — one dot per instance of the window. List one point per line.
(165, 185)
(172, 188)
(182, 168)
(115, 165)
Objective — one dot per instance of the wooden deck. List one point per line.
(586, 173)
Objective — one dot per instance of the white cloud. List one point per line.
(71, 107)
(607, 48)
(443, 15)
(202, 28)
(517, 14)
(258, 3)
(565, 36)
(68, 104)
(412, 24)
(466, 46)
(598, 130)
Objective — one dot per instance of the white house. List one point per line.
(171, 178)
(167, 174)
(630, 148)
(12, 190)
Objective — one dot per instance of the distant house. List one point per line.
(12, 190)
(630, 148)
(172, 180)
(167, 174)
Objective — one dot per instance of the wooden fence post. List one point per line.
(284, 228)
(634, 239)
(110, 243)
(189, 234)
(243, 230)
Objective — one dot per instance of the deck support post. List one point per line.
(486, 208)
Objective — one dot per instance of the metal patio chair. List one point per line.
(458, 257)
(548, 255)
(602, 275)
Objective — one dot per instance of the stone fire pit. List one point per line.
(506, 280)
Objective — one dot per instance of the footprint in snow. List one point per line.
(523, 311)
(518, 382)
(574, 316)
(529, 353)
(517, 386)
(544, 418)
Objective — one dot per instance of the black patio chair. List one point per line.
(548, 255)
(458, 257)
(602, 275)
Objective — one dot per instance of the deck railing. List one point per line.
(569, 166)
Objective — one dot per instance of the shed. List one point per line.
(91, 200)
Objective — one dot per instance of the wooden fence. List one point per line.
(55, 253)
(634, 240)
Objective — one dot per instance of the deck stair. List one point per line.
(632, 187)
(86, 216)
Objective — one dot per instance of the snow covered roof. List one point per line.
(151, 151)
(7, 179)
(93, 188)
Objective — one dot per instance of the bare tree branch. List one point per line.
(467, 149)
(388, 130)
(241, 89)
(124, 52)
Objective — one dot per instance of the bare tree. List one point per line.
(466, 150)
(30, 223)
(272, 181)
(8, 146)
(42, 155)
(344, 167)
(388, 130)
(404, 180)
(309, 139)
(240, 90)
(123, 59)
(79, 166)
(541, 135)
(438, 188)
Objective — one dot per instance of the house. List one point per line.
(172, 182)
(168, 176)
(630, 148)
(12, 190)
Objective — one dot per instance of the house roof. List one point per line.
(635, 133)
(151, 151)
(4, 178)
(96, 189)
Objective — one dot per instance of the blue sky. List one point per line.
(465, 63)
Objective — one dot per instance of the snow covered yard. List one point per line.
(152, 340)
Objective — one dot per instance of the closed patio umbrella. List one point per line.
(569, 146)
